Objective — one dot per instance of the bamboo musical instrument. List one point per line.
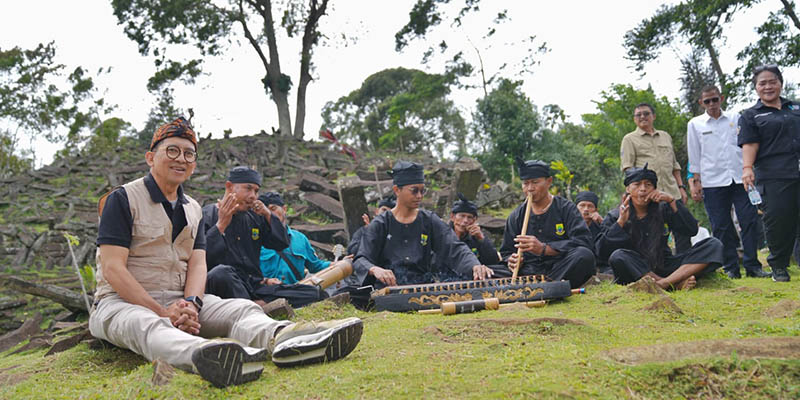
(337, 271)
(523, 232)
(461, 307)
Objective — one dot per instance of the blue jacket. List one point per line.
(299, 252)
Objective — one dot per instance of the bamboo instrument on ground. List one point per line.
(337, 271)
(524, 231)
(461, 307)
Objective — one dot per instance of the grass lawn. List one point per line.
(492, 354)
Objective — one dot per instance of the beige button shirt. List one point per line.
(638, 148)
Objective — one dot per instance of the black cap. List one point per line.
(387, 202)
(244, 175)
(587, 196)
(532, 169)
(271, 198)
(638, 174)
(463, 205)
(407, 173)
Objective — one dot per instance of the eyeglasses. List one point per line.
(643, 114)
(711, 100)
(173, 152)
(418, 191)
(766, 67)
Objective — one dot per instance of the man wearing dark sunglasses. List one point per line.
(716, 162)
(647, 145)
(398, 246)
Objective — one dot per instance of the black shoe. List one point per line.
(733, 274)
(315, 342)
(780, 275)
(225, 363)
(758, 273)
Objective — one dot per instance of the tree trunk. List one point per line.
(272, 65)
(712, 54)
(789, 9)
(310, 37)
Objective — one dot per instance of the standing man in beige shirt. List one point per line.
(646, 145)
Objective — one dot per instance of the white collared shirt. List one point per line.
(713, 152)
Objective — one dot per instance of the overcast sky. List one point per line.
(585, 39)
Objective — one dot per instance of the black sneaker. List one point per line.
(758, 273)
(733, 274)
(315, 342)
(225, 363)
(780, 275)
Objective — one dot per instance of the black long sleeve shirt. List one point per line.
(241, 244)
(561, 227)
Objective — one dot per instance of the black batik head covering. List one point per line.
(532, 169)
(271, 198)
(177, 128)
(587, 196)
(407, 173)
(639, 174)
(387, 202)
(244, 175)
(463, 205)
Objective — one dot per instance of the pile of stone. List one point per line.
(38, 207)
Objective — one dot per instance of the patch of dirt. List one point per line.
(469, 330)
(774, 347)
(646, 285)
(722, 379)
(747, 289)
(664, 304)
(9, 378)
(785, 308)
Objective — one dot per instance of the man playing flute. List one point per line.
(557, 242)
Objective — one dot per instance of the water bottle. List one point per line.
(755, 197)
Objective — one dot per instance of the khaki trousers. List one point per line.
(142, 331)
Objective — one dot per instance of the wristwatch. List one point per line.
(198, 302)
(682, 187)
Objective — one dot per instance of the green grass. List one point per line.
(490, 354)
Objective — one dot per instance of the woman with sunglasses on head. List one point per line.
(716, 162)
(402, 246)
(769, 134)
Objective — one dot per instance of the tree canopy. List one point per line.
(399, 108)
(211, 27)
(37, 100)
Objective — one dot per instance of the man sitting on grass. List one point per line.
(151, 275)
(634, 237)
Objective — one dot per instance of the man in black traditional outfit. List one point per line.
(634, 237)
(557, 242)
(398, 246)
(236, 228)
(463, 221)
(586, 202)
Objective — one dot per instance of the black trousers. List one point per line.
(577, 266)
(227, 282)
(781, 206)
(718, 202)
(630, 266)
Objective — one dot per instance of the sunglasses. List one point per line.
(418, 191)
(643, 114)
(766, 67)
(711, 100)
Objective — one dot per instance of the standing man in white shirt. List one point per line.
(716, 161)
